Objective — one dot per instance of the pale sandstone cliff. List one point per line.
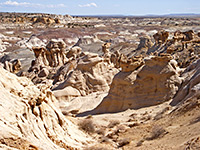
(30, 119)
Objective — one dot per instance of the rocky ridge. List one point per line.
(38, 123)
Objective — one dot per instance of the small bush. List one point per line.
(113, 123)
(123, 142)
(104, 139)
(157, 132)
(160, 114)
(100, 131)
(140, 143)
(99, 147)
(89, 117)
(87, 125)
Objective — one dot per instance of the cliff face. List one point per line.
(30, 118)
(153, 83)
(191, 84)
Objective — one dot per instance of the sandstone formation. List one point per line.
(45, 20)
(105, 48)
(106, 51)
(92, 74)
(183, 46)
(13, 66)
(191, 84)
(79, 73)
(25, 56)
(145, 69)
(183, 36)
(30, 118)
(161, 37)
(143, 47)
(56, 50)
(46, 58)
(151, 83)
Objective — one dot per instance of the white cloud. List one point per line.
(88, 5)
(25, 4)
(14, 3)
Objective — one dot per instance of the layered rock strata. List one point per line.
(150, 82)
(30, 118)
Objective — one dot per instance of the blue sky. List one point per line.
(102, 7)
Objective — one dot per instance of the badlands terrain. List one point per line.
(99, 83)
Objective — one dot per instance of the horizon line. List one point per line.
(110, 15)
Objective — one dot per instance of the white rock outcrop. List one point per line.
(30, 118)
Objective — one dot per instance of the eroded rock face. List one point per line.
(105, 48)
(191, 84)
(92, 74)
(47, 60)
(13, 66)
(53, 55)
(45, 20)
(161, 37)
(152, 82)
(145, 44)
(29, 118)
(183, 36)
